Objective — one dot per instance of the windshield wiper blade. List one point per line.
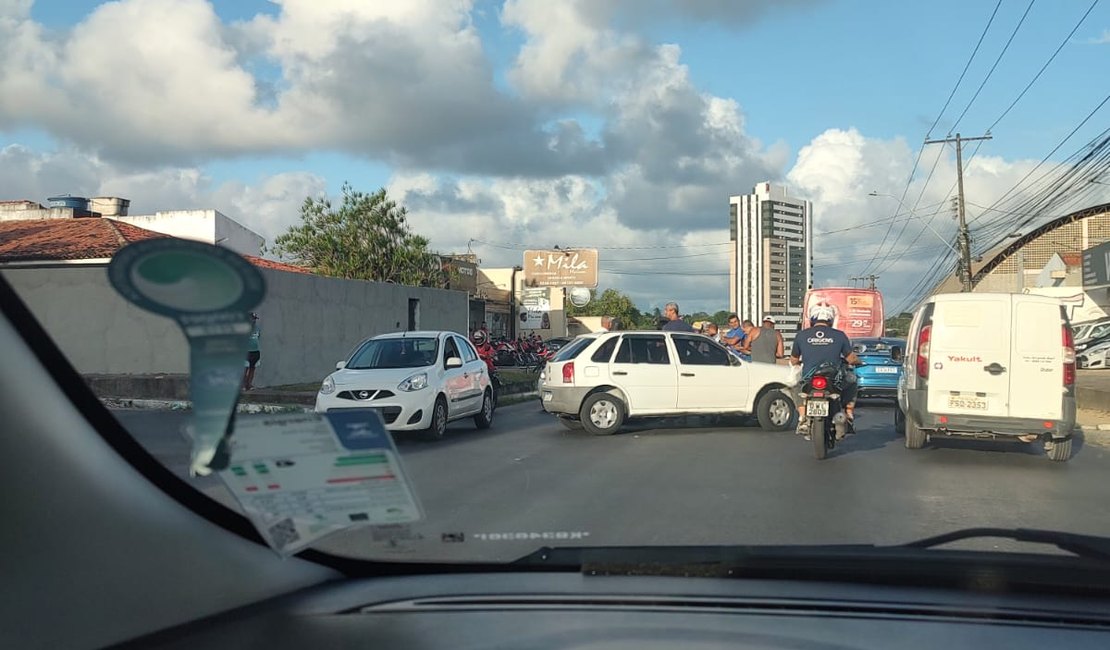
(1085, 546)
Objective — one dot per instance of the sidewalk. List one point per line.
(1092, 390)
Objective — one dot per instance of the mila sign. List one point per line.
(561, 268)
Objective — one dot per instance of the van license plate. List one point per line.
(967, 403)
(547, 396)
(817, 408)
(887, 369)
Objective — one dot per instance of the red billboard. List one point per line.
(859, 312)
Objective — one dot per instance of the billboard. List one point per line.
(464, 274)
(859, 312)
(535, 309)
(561, 268)
(1096, 266)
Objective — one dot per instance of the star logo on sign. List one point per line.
(538, 260)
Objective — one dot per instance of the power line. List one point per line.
(523, 247)
(991, 71)
(1037, 76)
(928, 133)
(667, 257)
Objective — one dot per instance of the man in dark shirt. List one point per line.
(819, 344)
(674, 321)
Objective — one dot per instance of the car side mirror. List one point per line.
(340, 365)
(454, 362)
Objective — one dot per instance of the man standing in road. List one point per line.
(712, 332)
(674, 321)
(766, 344)
(819, 344)
(734, 337)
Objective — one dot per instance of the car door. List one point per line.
(455, 381)
(474, 368)
(707, 378)
(970, 355)
(1036, 372)
(642, 368)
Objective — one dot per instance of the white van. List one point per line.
(989, 365)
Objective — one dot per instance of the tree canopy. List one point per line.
(367, 237)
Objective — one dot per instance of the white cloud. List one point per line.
(1102, 39)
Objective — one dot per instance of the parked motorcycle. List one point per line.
(828, 422)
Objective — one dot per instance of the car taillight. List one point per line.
(923, 351)
(568, 372)
(819, 382)
(1069, 357)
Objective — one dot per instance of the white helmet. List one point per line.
(823, 313)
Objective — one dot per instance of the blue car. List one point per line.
(883, 356)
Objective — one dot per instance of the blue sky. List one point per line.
(831, 96)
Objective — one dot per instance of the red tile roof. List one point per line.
(1072, 259)
(39, 240)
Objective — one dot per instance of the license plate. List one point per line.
(967, 403)
(887, 370)
(547, 396)
(817, 408)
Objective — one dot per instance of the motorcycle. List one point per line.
(828, 422)
(488, 354)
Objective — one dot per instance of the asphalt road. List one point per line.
(685, 482)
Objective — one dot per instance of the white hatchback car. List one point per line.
(418, 381)
(599, 380)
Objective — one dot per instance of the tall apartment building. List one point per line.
(772, 255)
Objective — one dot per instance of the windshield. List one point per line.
(395, 353)
(573, 258)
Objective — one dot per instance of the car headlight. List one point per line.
(328, 387)
(415, 382)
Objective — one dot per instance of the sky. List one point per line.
(623, 125)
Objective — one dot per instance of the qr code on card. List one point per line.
(283, 533)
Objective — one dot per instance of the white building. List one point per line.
(209, 226)
(771, 266)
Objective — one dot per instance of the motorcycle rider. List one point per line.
(819, 344)
(485, 351)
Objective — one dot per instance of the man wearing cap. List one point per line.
(766, 342)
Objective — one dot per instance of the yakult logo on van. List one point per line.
(956, 358)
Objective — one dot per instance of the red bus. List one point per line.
(859, 312)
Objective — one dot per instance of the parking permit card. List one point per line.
(300, 477)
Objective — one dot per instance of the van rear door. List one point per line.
(970, 356)
(1037, 360)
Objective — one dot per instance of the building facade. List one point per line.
(771, 266)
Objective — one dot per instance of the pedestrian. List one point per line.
(713, 332)
(767, 344)
(254, 353)
(674, 320)
(733, 338)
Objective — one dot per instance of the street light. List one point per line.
(912, 214)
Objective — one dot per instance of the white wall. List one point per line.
(308, 322)
(208, 226)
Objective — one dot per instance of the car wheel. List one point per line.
(899, 420)
(438, 427)
(573, 425)
(1058, 450)
(915, 437)
(484, 419)
(602, 414)
(775, 411)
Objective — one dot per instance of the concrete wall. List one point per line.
(208, 226)
(308, 322)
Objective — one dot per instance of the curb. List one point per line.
(182, 405)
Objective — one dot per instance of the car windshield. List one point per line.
(572, 259)
(395, 353)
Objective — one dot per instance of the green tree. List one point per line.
(898, 325)
(366, 238)
(609, 302)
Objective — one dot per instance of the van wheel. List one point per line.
(775, 411)
(602, 414)
(915, 437)
(899, 420)
(1058, 450)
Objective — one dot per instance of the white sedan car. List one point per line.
(599, 380)
(418, 381)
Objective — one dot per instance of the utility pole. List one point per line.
(870, 278)
(965, 238)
